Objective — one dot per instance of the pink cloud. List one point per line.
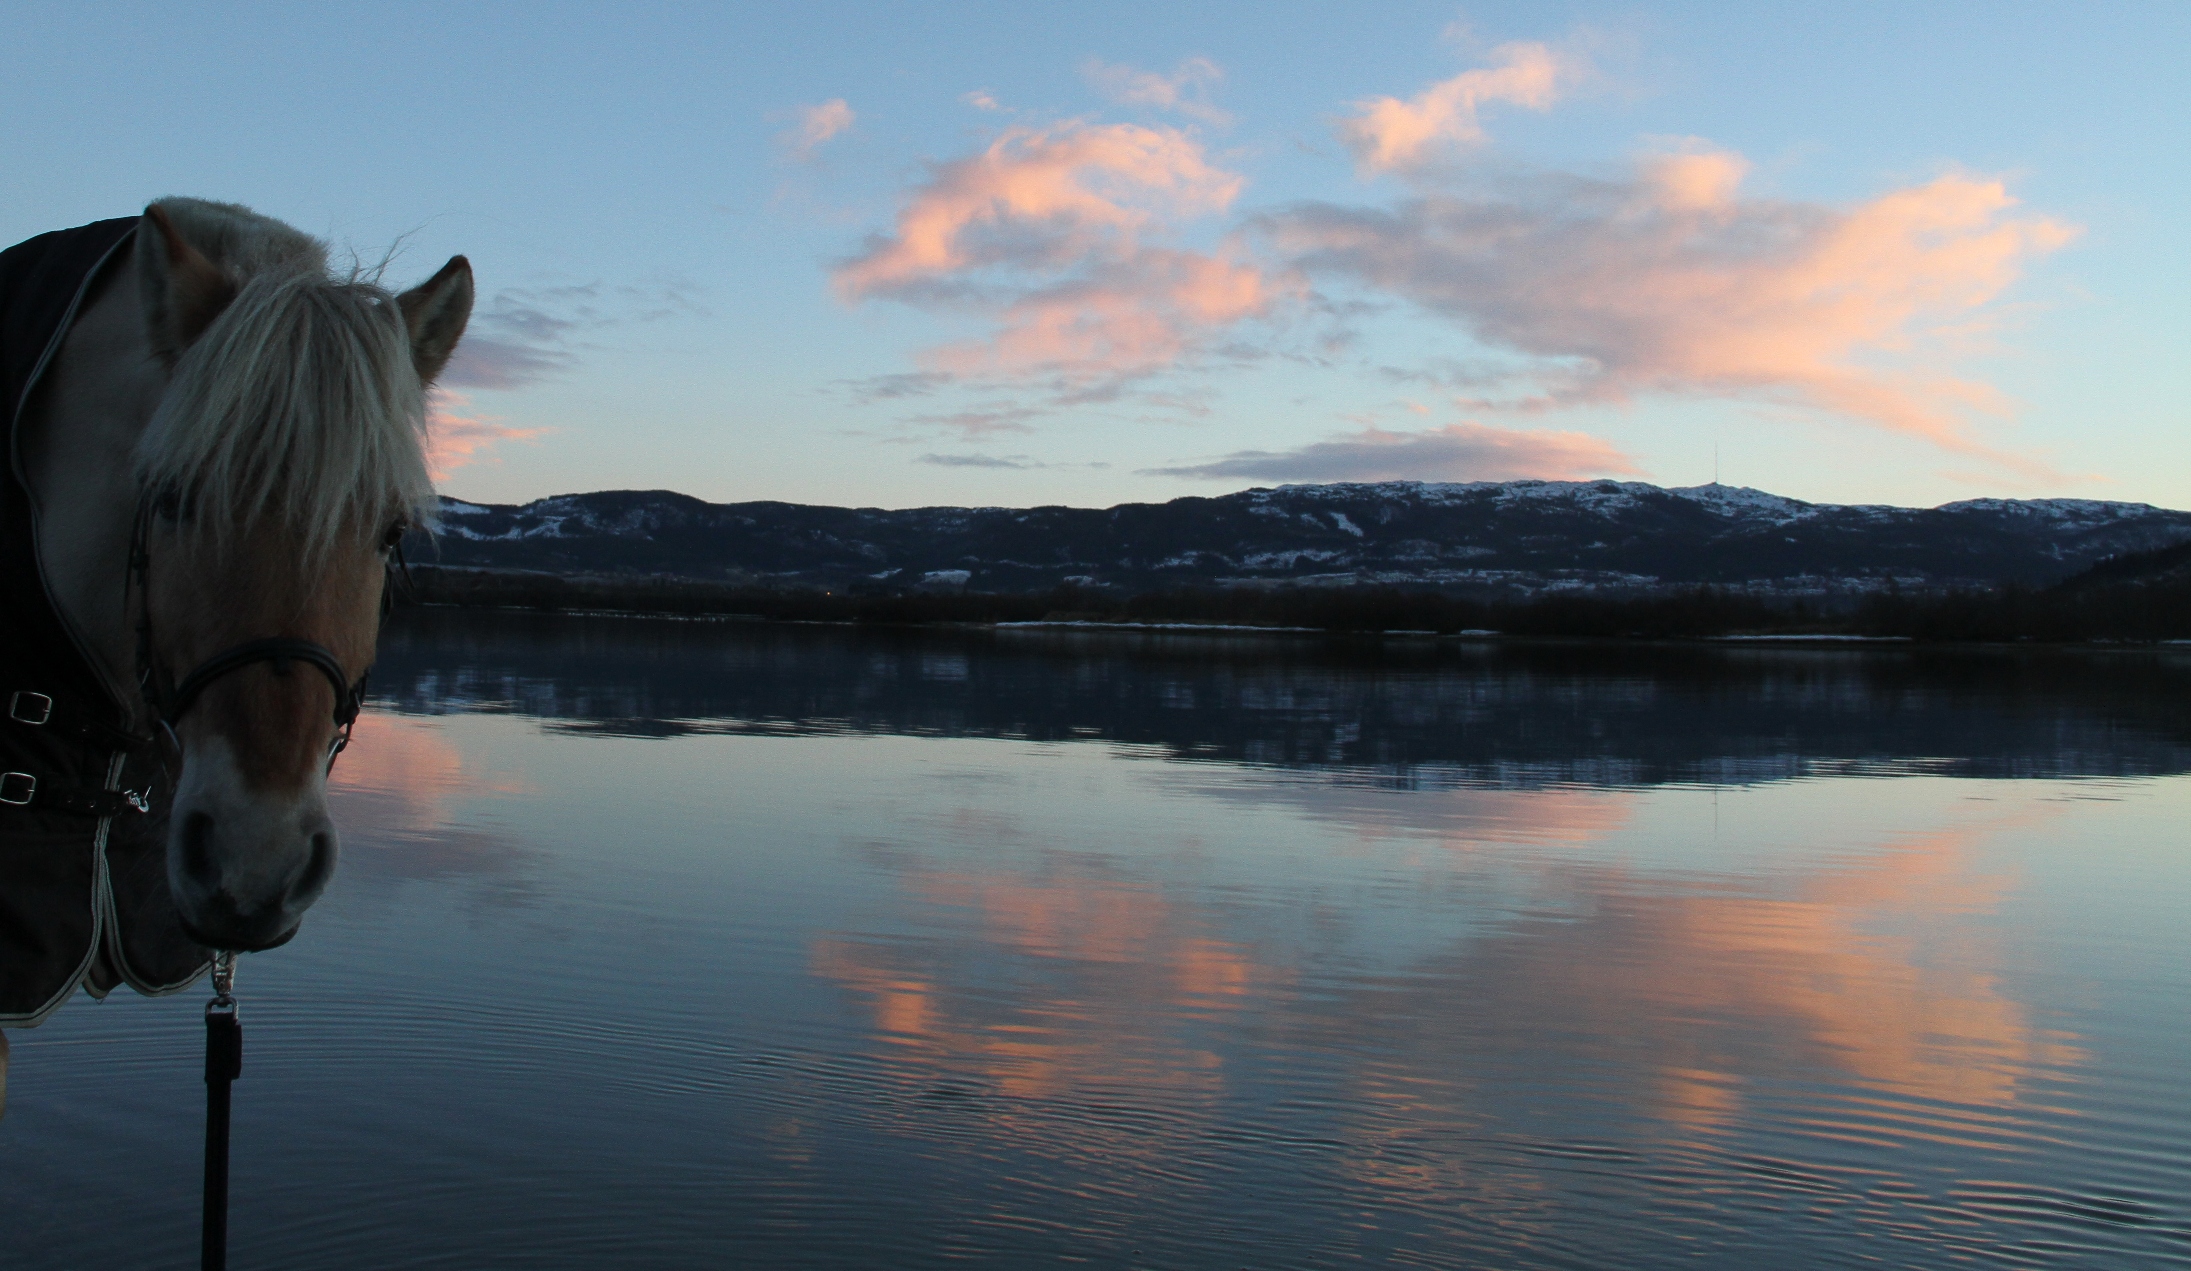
(1138, 313)
(1183, 90)
(1455, 452)
(1039, 197)
(817, 124)
(455, 438)
(1672, 280)
(1047, 230)
(1387, 134)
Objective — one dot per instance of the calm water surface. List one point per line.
(667, 945)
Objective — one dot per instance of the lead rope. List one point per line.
(223, 1064)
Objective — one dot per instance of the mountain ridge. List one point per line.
(1512, 537)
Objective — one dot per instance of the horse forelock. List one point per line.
(299, 402)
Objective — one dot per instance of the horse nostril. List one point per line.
(320, 867)
(197, 848)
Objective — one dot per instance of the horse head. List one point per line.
(280, 469)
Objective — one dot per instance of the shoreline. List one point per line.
(1815, 639)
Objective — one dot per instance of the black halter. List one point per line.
(169, 699)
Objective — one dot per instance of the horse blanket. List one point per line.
(83, 868)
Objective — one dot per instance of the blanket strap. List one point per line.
(25, 790)
(28, 708)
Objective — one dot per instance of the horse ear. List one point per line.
(435, 311)
(183, 291)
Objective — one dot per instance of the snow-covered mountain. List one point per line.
(1529, 536)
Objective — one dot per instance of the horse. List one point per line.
(217, 445)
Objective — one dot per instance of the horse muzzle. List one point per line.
(244, 865)
(237, 937)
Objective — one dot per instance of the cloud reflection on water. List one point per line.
(397, 796)
(1590, 999)
(1070, 982)
(1671, 999)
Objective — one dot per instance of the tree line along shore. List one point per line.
(2143, 596)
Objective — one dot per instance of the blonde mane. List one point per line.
(299, 402)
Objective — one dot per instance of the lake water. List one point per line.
(665, 944)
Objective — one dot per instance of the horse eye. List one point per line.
(394, 537)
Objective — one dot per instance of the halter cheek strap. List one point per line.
(169, 700)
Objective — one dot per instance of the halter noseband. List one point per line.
(169, 700)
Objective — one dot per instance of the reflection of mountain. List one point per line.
(1388, 714)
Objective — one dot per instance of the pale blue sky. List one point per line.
(656, 258)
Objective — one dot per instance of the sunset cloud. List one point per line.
(1016, 463)
(1049, 232)
(1672, 280)
(816, 125)
(1127, 315)
(522, 336)
(1009, 463)
(511, 342)
(1036, 199)
(456, 436)
(1668, 277)
(493, 362)
(1387, 134)
(979, 422)
(1184, 90)
(1456, 452)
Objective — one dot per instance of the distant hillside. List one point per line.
(1513, 538)
(2162, 568)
